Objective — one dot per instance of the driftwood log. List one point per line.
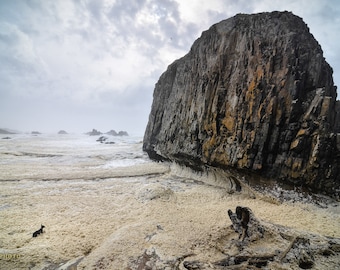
(257, 245)
(246, 224)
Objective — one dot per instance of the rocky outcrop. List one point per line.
(254, 93)
(94, 132)
(123, 133)
(114, 133)
(337, 119)
(105, 140)
(6, 131)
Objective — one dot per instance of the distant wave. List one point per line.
(53, 157)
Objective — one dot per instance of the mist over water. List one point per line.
(25, 156)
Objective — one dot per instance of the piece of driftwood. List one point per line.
(299, 250)
(246, 224)
(285, 252)
(150, 259)
(258, 245)
(255, 260)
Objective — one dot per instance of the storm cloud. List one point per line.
(78, 65)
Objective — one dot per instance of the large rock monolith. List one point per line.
(253, 93)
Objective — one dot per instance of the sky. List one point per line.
(76, 65)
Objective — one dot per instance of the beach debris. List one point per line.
(156, 192)
(71, 264)
(299, 250)
(257, 261)
(150, 259)
(263, 245)
(194, 265)
(41, 230)
(246, 224)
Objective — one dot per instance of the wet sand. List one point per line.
(108, 223)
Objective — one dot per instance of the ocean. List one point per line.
(56, 157)
(104, 205)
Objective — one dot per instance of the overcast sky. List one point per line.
(83, 64)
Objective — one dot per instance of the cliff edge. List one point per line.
(254, 93)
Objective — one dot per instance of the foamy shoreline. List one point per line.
(100, 216)
(111, 222)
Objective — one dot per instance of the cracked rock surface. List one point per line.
(253, 93)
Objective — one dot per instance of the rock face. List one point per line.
(254, 93)
(337, 120)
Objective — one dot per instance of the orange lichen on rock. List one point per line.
(253, 80)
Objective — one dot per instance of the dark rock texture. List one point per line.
(337, 120)
(254, 93)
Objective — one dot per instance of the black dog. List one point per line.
(35, 234)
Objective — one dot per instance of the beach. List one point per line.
(100, 216)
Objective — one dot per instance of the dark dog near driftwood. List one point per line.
(36, 233)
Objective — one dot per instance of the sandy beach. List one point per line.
(111, 222)
(110, 207)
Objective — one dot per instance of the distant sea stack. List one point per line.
(120, 133)
(112, 132)
(94, 132)
(6, 131)
(254, 93)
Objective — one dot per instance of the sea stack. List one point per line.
(254, 93)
